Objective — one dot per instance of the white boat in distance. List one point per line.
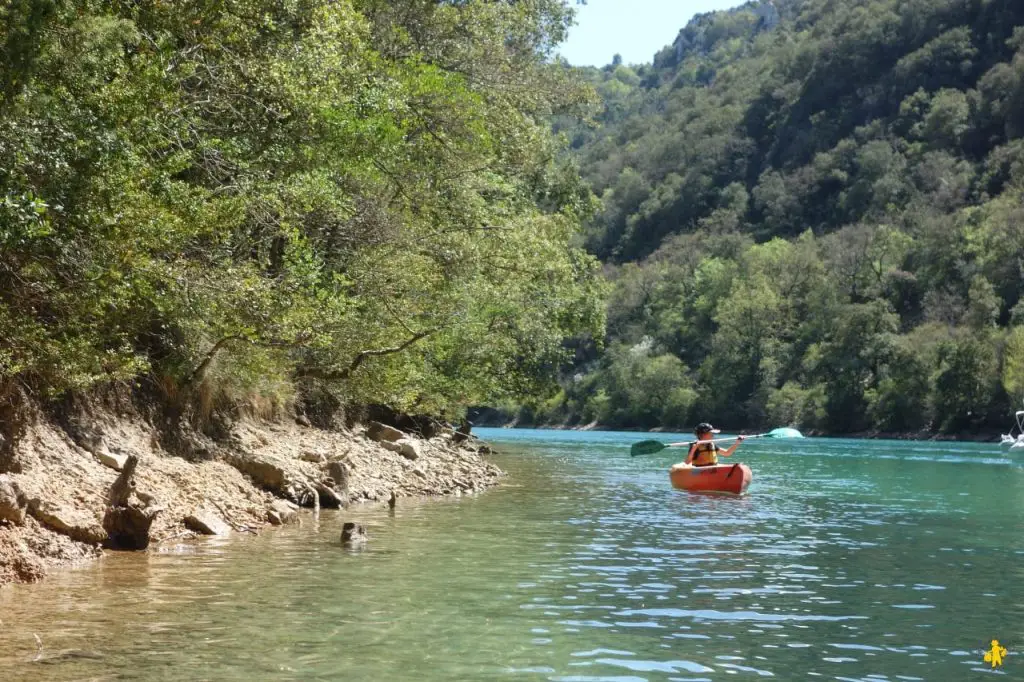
(1015, 443)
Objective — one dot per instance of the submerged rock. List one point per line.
(353, 534)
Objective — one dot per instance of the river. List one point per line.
(846, 560)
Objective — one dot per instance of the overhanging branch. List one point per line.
(362, 355)
(199, 372)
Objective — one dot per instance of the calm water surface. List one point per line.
(846, 560)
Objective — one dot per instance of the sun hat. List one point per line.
(704, 427)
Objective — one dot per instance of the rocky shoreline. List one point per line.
(62, 503)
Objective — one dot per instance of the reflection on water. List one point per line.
(847, 560)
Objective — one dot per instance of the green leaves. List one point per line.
(361, 196)
(818, 215)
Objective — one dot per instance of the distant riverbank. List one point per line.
(492, 419)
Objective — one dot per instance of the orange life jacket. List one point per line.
(705, 454)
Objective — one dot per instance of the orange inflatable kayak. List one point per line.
(721, 478)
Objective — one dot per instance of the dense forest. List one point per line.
(263, 205)
(812, 213)
(808, 212)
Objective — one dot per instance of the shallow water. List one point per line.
(846, 560)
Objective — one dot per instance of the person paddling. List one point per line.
(704, 453)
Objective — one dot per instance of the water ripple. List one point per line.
(847, 560)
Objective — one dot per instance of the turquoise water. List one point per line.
(846, 560)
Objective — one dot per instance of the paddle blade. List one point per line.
(785, 432)
(646, 447)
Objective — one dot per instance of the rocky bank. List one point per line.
(65, 500)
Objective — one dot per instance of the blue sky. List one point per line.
(636, 29)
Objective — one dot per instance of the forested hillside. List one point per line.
(253, 203)
(812, 215)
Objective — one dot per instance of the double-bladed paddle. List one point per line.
(650, 447)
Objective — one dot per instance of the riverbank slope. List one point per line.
(56, 496)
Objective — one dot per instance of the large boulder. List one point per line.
(113, 460)
(12, 501)
(381, 433)
(77, 524)
(264, 472)
(285, 477)
(206, 523)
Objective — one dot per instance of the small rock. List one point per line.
(409, 449)
(339, 472)
(12, 501)
(75, 523)
(381, 432)
(393, 447)
(353, 534)
(314, 457)
(463, 432)
(108, 458)
(281, 512)
(302, 420)
(329, 499)
(207, 524)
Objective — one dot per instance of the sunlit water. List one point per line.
(846, 560)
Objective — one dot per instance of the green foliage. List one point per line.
(359, 196)
(1013, 365)
(820, 217)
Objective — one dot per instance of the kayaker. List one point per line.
(705, 454)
